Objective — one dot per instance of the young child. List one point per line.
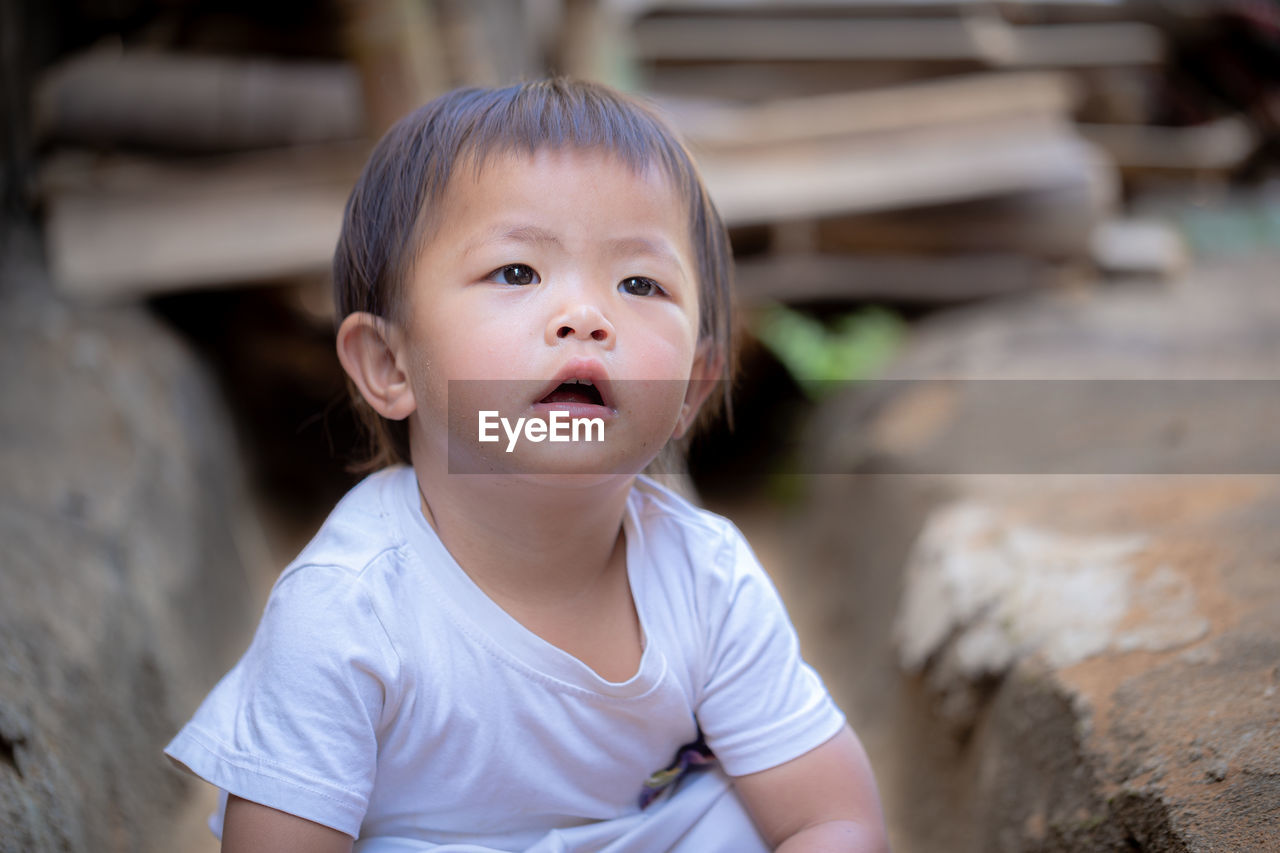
(522, 644)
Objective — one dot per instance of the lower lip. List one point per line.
(577, 410)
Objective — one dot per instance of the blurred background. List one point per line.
(931, 202)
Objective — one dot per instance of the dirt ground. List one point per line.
(831, 616)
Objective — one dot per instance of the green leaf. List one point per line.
(822, 358)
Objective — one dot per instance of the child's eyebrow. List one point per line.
(530, 234)
(644, 246)
(537, 236)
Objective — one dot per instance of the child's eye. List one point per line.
(640, 286)
(517, 274)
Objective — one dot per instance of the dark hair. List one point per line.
(390, 208)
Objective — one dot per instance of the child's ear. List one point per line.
(703, 379)
(369, 350)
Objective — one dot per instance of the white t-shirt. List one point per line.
(385, 695)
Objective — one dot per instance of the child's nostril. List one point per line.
(564, 332)
(598, 335)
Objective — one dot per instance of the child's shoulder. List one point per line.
(669, 519)
(362, 528)
(654, 502)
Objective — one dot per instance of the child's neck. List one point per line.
(554, 558)
(524, 541)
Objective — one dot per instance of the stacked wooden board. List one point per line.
(168, 170)
(923, 151)
(858, 150)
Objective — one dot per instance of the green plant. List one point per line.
(823, 357)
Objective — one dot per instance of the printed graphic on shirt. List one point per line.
(689, 758)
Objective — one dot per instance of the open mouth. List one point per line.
(581, 391)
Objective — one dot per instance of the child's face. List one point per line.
(565, 265)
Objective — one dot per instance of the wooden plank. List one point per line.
(725, 38)
(640, 7)
(899, 171)
(986, 39)
(903, 278)
(972, 98)
(1218, 146)
(1055, 223)
(755, 82)
(1119, 44)
(130, 228)
(197, 103)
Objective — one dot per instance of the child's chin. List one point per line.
(570, 464)
(570, 481)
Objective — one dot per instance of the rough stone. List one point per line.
(127, 569)
(1160, 637)
(1082, 654)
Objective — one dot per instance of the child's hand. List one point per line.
(249, 827)
(825, 800)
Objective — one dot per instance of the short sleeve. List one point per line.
(761, 704)
(294, 724)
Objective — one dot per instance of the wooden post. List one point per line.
(396, 45)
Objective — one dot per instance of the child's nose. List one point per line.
(584, 322)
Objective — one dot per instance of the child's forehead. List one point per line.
(495, 178)
(477, 164)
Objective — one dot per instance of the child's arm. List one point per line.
(252, 828)
(825, 800)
